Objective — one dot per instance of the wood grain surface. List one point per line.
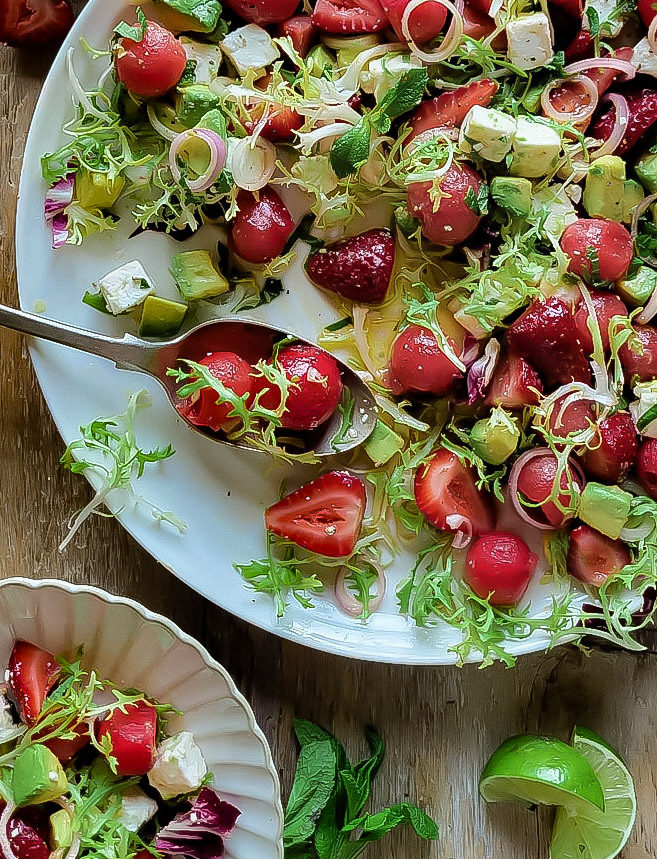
(440, 724)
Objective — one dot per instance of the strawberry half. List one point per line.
(642, 105)
(593, 557)
(359, 268)
(515, 384)
(32, 673)
(646, 466)
(615, 453)
(324, 516)
(546, 335)
(448, 110)
(641, 365)
(34, 22)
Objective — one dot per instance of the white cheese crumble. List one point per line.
(125, 287)
(179, 766)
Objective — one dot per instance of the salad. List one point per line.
(473, 185)
(87, 769)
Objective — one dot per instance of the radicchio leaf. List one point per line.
(59, 196)
(198, 833)
(481, 372)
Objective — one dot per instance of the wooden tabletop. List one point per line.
(440, 724)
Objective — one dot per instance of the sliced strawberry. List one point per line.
(642, 365)
(349, 16)
(423, 24)
(515, 383)
(418, 364)
(606, 305)
(66, 750)
(316, 387)
(449, 109)
(323, 516)
(646, 466)
(647, 11)
(577, 416)
(32, 673)
(546, 335)
(642, 106)
(133, 737)
(479, 25)
(614, 451)
(25, 841)
(281, 122)
(581, 47)
(447, 495)
(537, 482)
(34, 22)
(301, 31)
(359, 268)
(593, 557)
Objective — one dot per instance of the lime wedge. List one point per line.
(542, 771)
(593, 834)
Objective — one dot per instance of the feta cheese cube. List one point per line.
(536, 148)
(530, 41)
(136, 809)
(250, 48)
(487, 132)
(207, 57)
(559, 207)
(125, 287)
(644, 58)
(179, 766)
(384, 72)
(610, 23)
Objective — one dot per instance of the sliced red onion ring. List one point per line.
(652, 35)
(462, 528)
(252, 162)
(162, 129)
(582, 113)
(217, 152)
(624, 67)
(513, 495)
(452, 38)
(5, 845)
(348, 602)
(481, 372)
(650, 310)
(620, 126)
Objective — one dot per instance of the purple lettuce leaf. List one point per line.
(197, 833)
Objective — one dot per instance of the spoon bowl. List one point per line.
(242, 336)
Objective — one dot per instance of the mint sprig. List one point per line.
(329, 795)
(137, 31)
(352, 149)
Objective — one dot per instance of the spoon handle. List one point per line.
(127, 353)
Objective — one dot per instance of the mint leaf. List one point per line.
(136, 32)
(375, 826)
(351, 150)
(406, 94)
(594, 21)
(647, 418)
(314, 782)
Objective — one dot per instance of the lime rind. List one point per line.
(592, 834)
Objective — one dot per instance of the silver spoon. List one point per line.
(156, 357)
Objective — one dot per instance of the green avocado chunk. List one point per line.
(607, 193)
(193, 102)
(636, 288)
(200, 16)
(495, 438)
(161, 317)
(605, 508)
(37, 777)
(196, 276)
(94, 190)
(646, 170)
(61, 830)
(383, 444)
(512, 193)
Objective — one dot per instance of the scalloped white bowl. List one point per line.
(133, 647)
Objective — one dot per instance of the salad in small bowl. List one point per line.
(162, 760)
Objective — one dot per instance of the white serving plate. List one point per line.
(135, 648)
(220, 493)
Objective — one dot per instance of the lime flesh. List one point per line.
(542, 771)
(593, 834)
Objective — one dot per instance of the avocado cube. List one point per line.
(37, 777)
(512, 193)
(61, 830)
(94, 190)
(637, 287)
(161, 317)
(199, 16)
(631, 199)
(193, 102)
(196, 276)
(646, 170)
(605, 508)
(383, 444)
(604, 188)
